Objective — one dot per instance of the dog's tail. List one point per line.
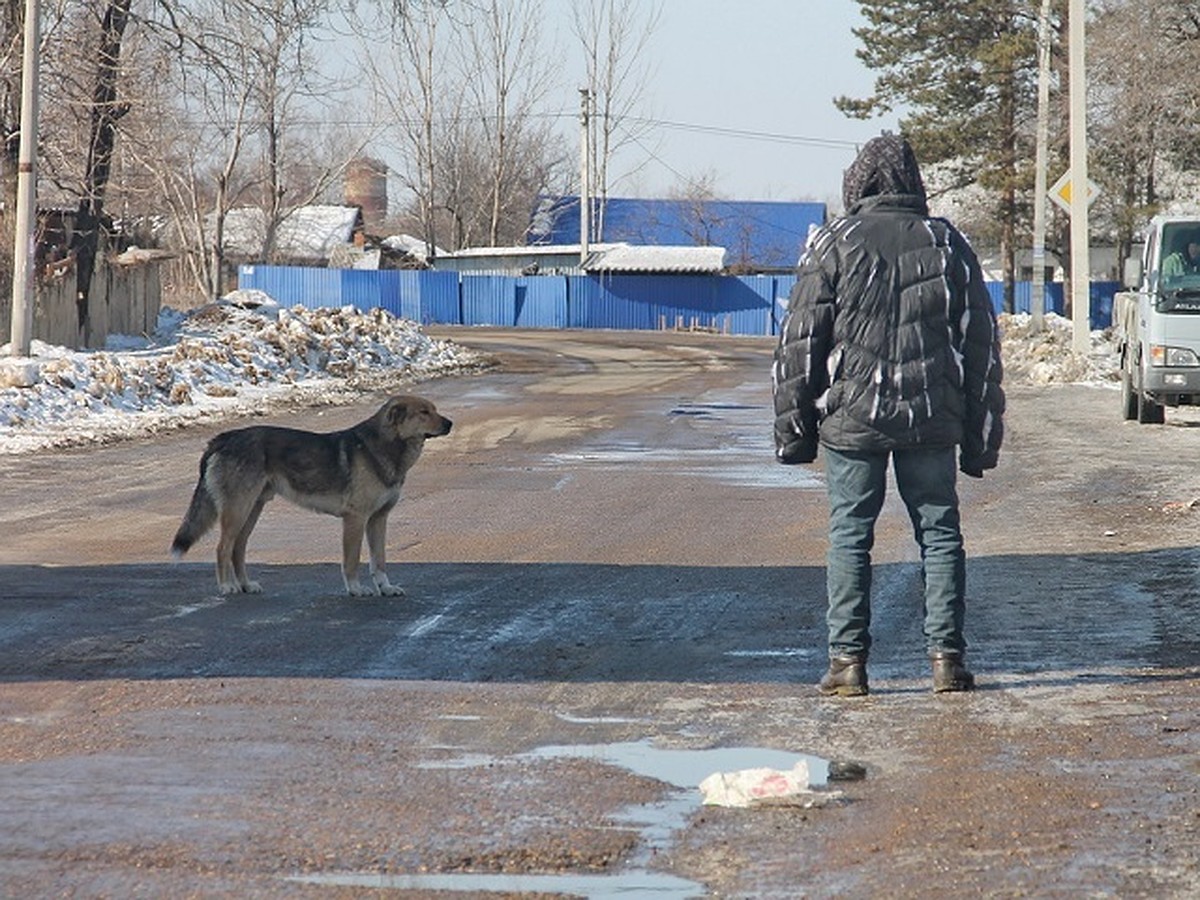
(201, 513)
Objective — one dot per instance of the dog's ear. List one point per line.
(397, 411)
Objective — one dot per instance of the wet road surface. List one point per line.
(601, 555)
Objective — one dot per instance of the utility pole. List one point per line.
(1037, 293)
(1080, 262)
(26, 232)
(585, 200)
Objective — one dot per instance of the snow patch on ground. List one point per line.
(232, 358)
(1046, 356)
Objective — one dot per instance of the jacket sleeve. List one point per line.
(983, 420)
(800, 374)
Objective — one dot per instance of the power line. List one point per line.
(773, 137)
(692, 127)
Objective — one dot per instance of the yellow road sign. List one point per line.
(1060, 193)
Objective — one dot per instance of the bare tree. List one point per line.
(461, 84)
(287, 83)
(1144, 106)
(107, 108)
(83, 69)
(406, 51)
(614, 35)
(236, 107)
(509, 75)
(11, 18)
(700, 216)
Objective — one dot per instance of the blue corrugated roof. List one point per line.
(755, 233)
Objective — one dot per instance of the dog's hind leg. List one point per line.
(377, 549)
(234, 515)
(239, 545)
(352, 535)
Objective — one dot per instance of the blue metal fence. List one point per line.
(423, 296)
(747, 305)
(1101, 295)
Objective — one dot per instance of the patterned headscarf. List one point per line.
(885, 165)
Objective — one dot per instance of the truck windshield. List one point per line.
(1180, 265)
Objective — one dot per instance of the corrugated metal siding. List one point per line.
(746, 305)
(362, 288)
(488, 300)
(1100, 299)
(522, 301)
(295, 285)
(596, 302)
(541, 302)
(783, 292)
(750, 305)
(432, 297)
(423, 296)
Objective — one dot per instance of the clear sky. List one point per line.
(749, 86)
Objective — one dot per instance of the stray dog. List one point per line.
(355, 474)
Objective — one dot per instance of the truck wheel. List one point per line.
(1129, 403)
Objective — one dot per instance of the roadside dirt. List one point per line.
(602, 555)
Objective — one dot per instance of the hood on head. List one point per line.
(885, 165)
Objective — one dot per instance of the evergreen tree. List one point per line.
(966, 74)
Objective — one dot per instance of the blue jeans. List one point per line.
(857, 483)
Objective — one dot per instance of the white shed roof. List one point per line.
(413, 246)
(309, 232)
(525, 251)
(647, 258)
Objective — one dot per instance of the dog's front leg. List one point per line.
(377, 550)
(352, 535)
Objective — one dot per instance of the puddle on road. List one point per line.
(682, 768)
(597, 720)
(730, 441)
(656, 823)
(729, 465)
(781, 653)
(634, 884)
(711, 410)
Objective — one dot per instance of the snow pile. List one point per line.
(1047, 357)
(225, 359)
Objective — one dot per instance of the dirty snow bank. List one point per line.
(227, 359)
(1046, 357)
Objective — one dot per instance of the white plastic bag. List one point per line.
(763, 787)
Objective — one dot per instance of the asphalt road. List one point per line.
(612, 589)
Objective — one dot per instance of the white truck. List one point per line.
(1157, 321)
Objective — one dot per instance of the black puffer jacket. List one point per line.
(890, 340)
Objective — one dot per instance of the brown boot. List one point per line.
(949, 673)
(847, 676)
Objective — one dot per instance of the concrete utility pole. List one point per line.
(23, 251)
(585, 200)
(1037, 294)
(1080, 251)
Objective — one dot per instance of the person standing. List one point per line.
(890, 351)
